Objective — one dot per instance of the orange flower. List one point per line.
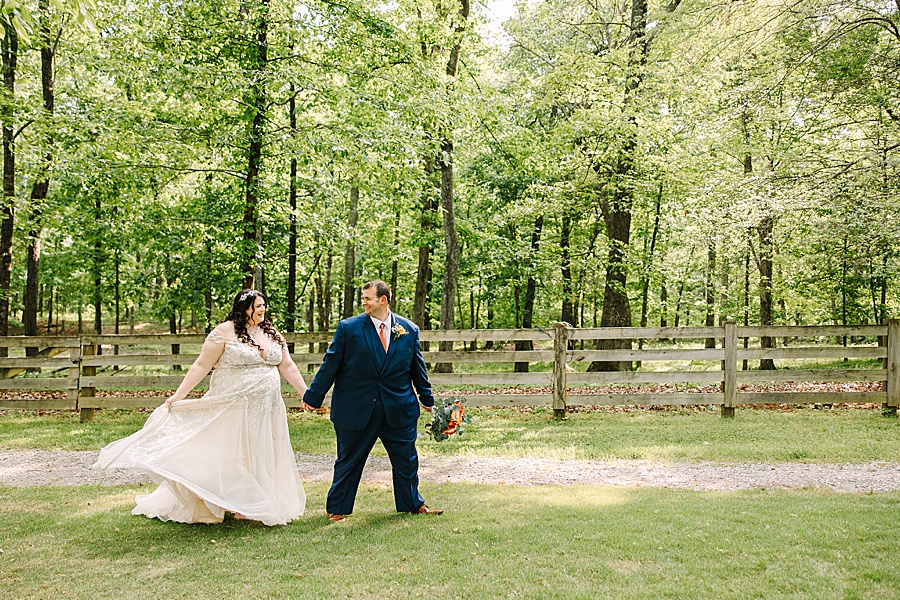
(446, 419)
(456, 416)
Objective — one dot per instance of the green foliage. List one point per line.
(744, 112)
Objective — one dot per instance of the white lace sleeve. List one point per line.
(215, 336)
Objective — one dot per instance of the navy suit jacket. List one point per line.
(361, 372)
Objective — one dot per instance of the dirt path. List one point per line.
(23, 468)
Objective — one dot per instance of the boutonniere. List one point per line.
(398, 330)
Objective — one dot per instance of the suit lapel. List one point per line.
(393, 344)
(374, 344)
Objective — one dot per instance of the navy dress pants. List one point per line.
(353, 449)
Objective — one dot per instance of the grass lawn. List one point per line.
(830, 436)
(494, 541)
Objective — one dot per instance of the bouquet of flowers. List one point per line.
(447, 419)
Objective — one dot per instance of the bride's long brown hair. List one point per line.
(238, 315)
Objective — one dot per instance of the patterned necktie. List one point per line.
(381, 335)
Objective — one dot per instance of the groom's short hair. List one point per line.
(381, 288)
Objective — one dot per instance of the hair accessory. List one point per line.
(247, 294)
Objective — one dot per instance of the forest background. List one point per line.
(601, 162)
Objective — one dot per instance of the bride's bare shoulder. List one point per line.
(226, 328)
(222, 334)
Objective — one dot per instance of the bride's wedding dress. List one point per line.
(227, 451)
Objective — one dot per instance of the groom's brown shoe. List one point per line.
(336, 518)
(424, 510)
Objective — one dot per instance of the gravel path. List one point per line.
(24, 468)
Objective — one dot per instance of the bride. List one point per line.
(228, 451)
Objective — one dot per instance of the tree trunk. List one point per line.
(118, 292)
(257, 55)
(460, 320)
(530, 293)
(32, 276)
(451, 261)
(350, 255)
(423, 271)
(710, 290)
(395, 264)
(320, 306)
(329, 299)
(489, 345)
(207, 292)
(50, 308)
(208, 303)
(616, 306)
(645, 285)
(883, 285)
(844, 267)
(97, 267)
(617, 204)
(118, 300)
(311, 319)
(173, 329)
(320, 302)
(764, 230)
(663, 305)
(41, 185)
(323, 298)
(746, 310)
(568, 308)
(474, 345)
(681, 283)
(428, 221)
(451, 239)
(9, 49)
(290, 321)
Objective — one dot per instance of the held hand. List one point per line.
(428, 408)
(305, 406)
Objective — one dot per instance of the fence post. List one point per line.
(87, 414)
(74, 374)
(729, 386)
(561, 333)
(892, 384)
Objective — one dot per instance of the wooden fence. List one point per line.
(687, 371)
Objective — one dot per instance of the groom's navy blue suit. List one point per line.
(373, 398)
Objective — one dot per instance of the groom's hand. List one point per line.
(428, 408)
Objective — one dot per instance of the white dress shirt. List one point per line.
(387, 329)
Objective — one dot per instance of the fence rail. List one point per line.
(82, 365)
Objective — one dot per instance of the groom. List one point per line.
(374, 361)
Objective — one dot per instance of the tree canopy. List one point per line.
(648, 162)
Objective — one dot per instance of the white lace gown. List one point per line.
(227, 451)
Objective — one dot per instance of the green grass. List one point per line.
(829, 436)
(493, 542)
(845, 435)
